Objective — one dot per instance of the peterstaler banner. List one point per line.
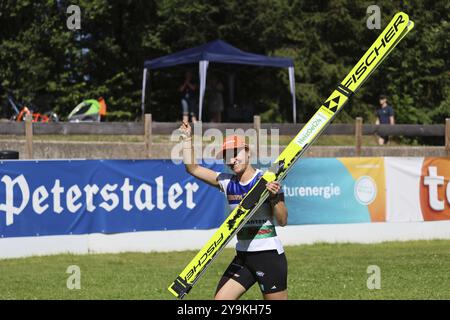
(103, 196)
(111, 196)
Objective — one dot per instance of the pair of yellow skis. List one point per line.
(389, 38)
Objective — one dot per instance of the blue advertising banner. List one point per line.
(62, 197)
(335, 190)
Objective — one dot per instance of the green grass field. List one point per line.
(409, 270)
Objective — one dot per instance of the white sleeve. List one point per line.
(223, 179)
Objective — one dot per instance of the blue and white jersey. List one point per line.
(259, 232)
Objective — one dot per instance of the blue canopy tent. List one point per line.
(221, 52)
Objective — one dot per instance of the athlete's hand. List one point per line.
(185, 130)
(273, 188)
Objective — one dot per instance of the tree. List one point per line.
(43, 61)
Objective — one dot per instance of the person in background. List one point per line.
(214, 99)
(385, 115)
(188, 102)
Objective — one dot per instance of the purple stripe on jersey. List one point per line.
(235, 188)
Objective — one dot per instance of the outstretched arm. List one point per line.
(191, 86)
(182, 87)
(391, 120)
(206, 175)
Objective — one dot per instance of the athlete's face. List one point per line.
(237, 159)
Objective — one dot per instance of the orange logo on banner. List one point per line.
(435, 189)
(370, 169)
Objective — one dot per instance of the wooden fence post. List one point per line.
(29, 135)
(358, 136)
(447, 137)
(257, 127)
(148, 134)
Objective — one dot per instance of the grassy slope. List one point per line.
(409, 270)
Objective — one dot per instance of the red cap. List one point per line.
(232, 142)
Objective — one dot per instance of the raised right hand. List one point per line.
(185, 130)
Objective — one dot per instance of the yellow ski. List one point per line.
(399, 26)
